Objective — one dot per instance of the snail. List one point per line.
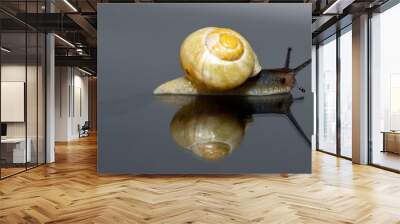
(220, 61)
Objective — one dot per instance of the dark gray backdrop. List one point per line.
(138, 49)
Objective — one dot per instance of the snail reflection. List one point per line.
(212, 127)
(220, 61)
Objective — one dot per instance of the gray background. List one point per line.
(138, 49)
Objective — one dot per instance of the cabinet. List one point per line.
(391, 141)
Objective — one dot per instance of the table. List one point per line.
(391, 141)
(13, 150)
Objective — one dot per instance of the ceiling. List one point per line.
(75, 21)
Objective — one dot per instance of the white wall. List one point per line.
(71, 102)
(33, 127)
(9, 73)
(16, 73)
(80, 112)
(62, 82)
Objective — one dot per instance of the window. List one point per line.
(334, 106)
(22, 101)
(327, 95)
(385, 89)
(346, 92)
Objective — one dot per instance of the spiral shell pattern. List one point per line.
(218, 59)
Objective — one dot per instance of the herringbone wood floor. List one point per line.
(70, 191)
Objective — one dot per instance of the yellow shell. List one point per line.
(218, 58)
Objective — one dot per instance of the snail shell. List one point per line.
(218, 59)
(209, 131)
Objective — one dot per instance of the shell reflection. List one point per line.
(208, 130)
(212, 127)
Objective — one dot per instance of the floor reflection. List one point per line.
(212, 127)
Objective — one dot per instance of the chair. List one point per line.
(84, 129)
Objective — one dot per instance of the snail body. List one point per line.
(260, 85)
(218, 59)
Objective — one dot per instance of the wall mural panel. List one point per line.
(204, 88)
